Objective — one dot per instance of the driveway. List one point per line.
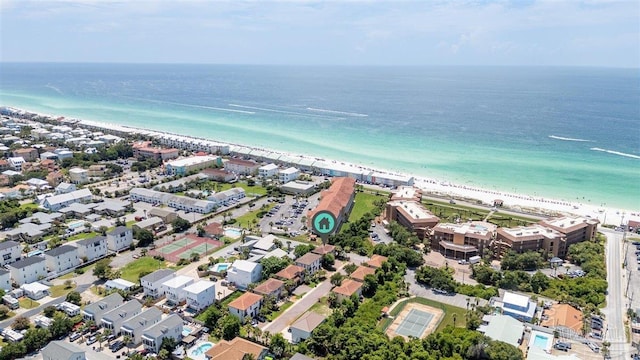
(454, 300)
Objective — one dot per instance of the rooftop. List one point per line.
(376, 261)
(290, 272)
(515, 299)
(141, 320)
(361, 272)
(414, 210)
(178, 281)
(194, 160)
(200, 286)
(337, 197)
(60, 250)
(244, 265)
(308, 321)
(170, 322)
(269, 286)
(348, 287)
(20, 264)
(308, 258)
(157, 275)
(235, 350)
(563, 315)
(245, 301)
(505, 328)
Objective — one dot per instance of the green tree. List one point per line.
(278, 345)
(303, 249)
(35, 339)
(60, 326)
(4, 311)
(180, 224)
(498, 350)
(230, 326)
(49, 311)
(328, 261)
(144, 237)
(336, 279)
(272, 265)
(350, 268)
(102, 269)
(539, 282)
(21, 323)
(74, 298)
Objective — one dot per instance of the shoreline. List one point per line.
(430, 186)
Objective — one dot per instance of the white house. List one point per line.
(304, 326)
(68, 308)
(65, 188)
(310, 262)
(62, 350)
(28, 270)
(268, 170)
(62, 258)
(248, 304)
(243, 272)
(114, 319)
(95, 311)
(152, 283)
(92, 248)
(35, 290)
(200, 294)
(135, 326)
(5, 280)
(57, 202)
(169, 327)
(78, 175)
(16, 163)
(226, 197)
(174, 288)
(119, 284)
(517, 306)
(10, 251)
(119, 239)
(288, 174)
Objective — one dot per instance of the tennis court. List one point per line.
(183, 248)
(414, 323)
(175, 246)
(199, 249)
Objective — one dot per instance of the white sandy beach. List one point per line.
(441, 187)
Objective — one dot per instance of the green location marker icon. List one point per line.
(324, 223)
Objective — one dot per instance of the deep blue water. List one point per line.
(485, 126)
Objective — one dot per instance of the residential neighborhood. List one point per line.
(161, 246)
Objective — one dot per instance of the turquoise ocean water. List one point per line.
(566, 133)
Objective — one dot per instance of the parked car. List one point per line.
(74, 336)
(561, 347)
(92, 340)
(595, 348)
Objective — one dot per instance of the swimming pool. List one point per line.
(75, 224)
(200, 349)
(220, 267)
(232, 233)
(540, 340)
(186, 331)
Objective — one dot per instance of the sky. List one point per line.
(601, 33)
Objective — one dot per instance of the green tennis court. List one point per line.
(198, 249)
(175, 246)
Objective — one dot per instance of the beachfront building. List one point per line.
(310, 262)
(304, 326)
(114, 319)
(190, 143)
(173, 288)
(62, 258)
(288, 174)
(28, 270)
(57, 202)
(248, 304)
(119, 238)
(236, 349)
(169, 327)
(574, 229)
(62, 350)
(191, 164)
(10, 251)
(241, 167)
(462, 241)
(412, 215)
(406, 193)
(95, 311)
(529, 238)
(517, 306)
(200, 294)
(338, 200)
(268, 171)
(92, 248)
(134, 326)
(152, 283)
(243, 272)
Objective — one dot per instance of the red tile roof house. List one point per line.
(376, 261)
(310, 262)
(325, 249)
(348, 288)
(248, 304)
(291, 272)
(271, 287)
(361, 272)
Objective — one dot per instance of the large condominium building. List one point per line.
(409, 193)
(412, 215)
(529, 238)
(462, 241)
(575, 229)
(194, 163)
(338, 200)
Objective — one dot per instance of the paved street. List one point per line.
(454, 300)
(616, 304)
(299, 308)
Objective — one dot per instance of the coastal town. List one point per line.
(120, 243)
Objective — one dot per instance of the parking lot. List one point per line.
(287, 216)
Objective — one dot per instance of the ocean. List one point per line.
(564, 133)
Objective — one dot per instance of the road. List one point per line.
(300, 307)
(458, 300)
(614, 311)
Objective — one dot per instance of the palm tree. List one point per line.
(454, 317)
(127, 341)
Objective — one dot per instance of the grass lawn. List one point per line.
(446, 321)
(60, 290)
(10, 314)
(321, 307)
(31, 207)
(363, 204)
(28, 303)
(82, 236)
(450, 211)
(504, 220)
(275, 314)
(256, 189)
(246, 220)
(73, 274)
(132, 270)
